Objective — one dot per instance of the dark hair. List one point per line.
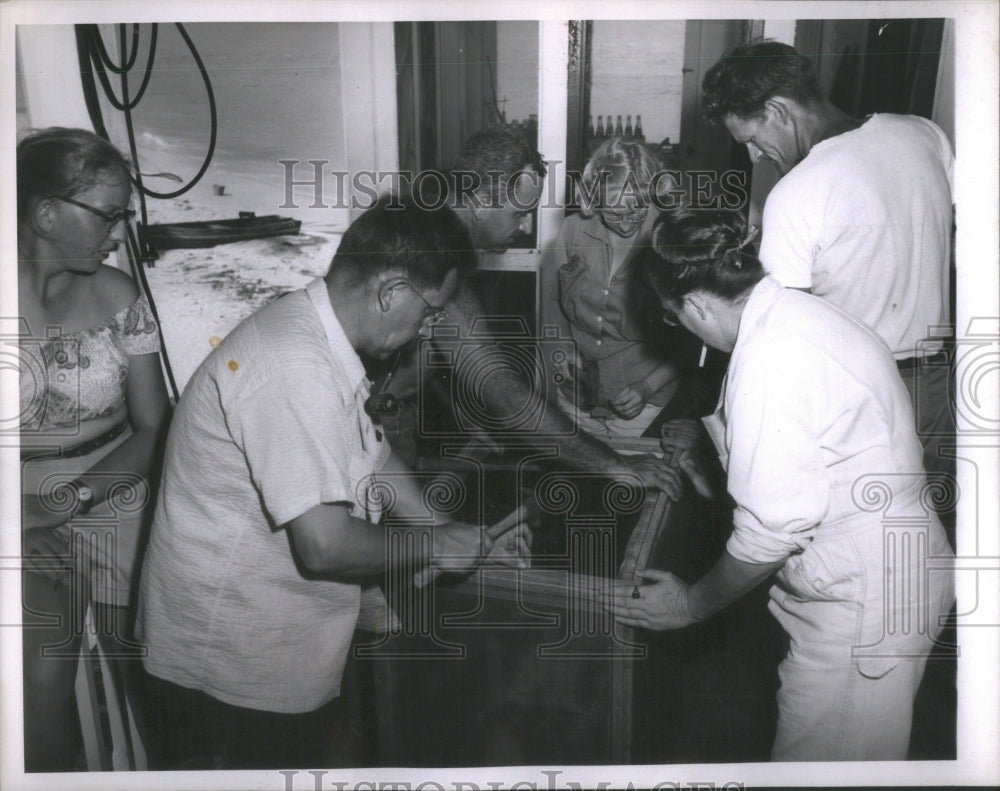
(498, 150)
(61, 161)
(701, 250)
(399, 235)
(742, 81)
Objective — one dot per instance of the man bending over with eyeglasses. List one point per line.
(274, 481)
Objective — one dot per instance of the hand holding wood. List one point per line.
(507, 542)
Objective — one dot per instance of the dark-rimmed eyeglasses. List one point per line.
(111, 218)
(435, 313)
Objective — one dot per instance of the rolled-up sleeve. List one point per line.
(776, 472)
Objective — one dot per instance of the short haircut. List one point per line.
(742, 81)
(622, 160)
(399, 235)
(502, 150)
(62, 161)
(700, 250)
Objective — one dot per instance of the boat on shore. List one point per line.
(209, 233)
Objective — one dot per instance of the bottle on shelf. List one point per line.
(638, 129)
(599, 132)
(628, 126)
(619, 131)
(590, 127)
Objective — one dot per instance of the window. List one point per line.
(278, 99)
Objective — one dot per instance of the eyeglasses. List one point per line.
(626, 215)
(111, 218)
(435, 313)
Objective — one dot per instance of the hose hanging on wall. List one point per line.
(94, 60)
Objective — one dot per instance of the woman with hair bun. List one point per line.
(93, 412)
(618, 382)
(815, 431)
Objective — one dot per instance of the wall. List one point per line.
(636, 69)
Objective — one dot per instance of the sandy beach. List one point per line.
(202, 294)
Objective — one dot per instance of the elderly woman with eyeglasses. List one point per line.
(93, 411)
(816, 434)
(616, 384)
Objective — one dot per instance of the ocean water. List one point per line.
(278, 97)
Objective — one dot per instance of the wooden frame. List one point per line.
(578, 93)
(494, 606)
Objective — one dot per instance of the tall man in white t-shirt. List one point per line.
(862, 215)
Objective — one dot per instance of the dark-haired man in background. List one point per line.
(495, 186)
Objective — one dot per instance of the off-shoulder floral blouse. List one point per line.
(67, 379)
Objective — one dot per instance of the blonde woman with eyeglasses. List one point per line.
(93, 409)
(615, 383)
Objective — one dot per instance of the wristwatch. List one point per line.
(83, 499)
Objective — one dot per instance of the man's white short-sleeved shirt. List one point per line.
(270, 425)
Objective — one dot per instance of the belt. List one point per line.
(35, 454)
(915, 362)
